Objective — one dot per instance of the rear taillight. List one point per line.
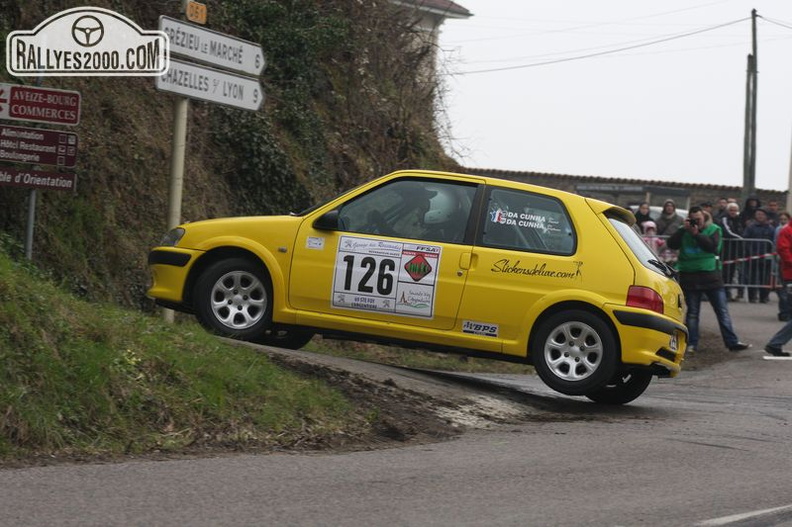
(645, 298)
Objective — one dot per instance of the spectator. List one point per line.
(706, 206)
(759, 267)
(699, 243)
(784, 306)
(720, 210)
(643, 215)
(669, 221)
(782, 336)
(732, 249)
(772, 212)
(650, 236)
(783, 219)
(784, 247)
(747, 213)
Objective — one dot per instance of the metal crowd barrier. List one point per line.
(750, 266)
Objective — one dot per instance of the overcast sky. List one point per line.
(671, 111)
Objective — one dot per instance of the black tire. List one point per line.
(289, 337)
(622, 389)
(233, 298)
(575, 352)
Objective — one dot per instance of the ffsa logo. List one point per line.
(87, 41)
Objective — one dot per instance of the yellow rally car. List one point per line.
(446, 262)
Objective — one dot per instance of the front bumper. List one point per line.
(170, 268)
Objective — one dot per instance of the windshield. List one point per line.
(322, 203)
(639, 247)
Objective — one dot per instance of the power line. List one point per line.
(741, 42)
(608, 52)
(776, 22)
(597, 24)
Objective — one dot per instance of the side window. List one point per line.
(527, 222)
(412, 208)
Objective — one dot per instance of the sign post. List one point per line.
(226, 73)
(38, 146)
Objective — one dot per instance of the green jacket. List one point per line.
(698, 253)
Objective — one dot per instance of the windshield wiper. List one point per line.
(664, 267)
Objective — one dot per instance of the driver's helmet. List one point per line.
(442, 207)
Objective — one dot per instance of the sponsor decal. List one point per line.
(480, 328)
(315, 242)
(505, 266)
(524, 219)
(417, 267)
(385, 276)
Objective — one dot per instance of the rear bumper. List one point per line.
(651, 340)
(648, 321)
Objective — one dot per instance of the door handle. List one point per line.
(465, 260)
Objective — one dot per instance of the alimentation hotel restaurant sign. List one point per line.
(87, 41)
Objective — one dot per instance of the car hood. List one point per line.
(264, 230)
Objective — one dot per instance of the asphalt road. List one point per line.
(711, 447)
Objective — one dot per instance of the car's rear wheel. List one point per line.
(233, 298)
(575, 352)
(623, 388)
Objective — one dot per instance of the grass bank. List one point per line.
(80, 378)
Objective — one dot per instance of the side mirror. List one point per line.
(328, 221)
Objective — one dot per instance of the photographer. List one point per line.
(699, 243)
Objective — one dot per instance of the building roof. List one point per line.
(444, 8)
(520, 174)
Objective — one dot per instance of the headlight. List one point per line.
(172, 238)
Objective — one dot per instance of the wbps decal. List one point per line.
(87, 41)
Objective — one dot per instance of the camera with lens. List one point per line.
(693, 222)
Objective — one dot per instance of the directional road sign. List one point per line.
(37, 146)
(43, 105)
(207, 84)
(210, 47)
(38, 180)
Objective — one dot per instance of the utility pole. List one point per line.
(746, 186)
(181, 109)
(749, 153)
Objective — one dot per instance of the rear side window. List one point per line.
(525, 221)
(638, 246)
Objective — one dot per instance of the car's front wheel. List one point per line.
(623, 388)
(575, 352)
(233, 298)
